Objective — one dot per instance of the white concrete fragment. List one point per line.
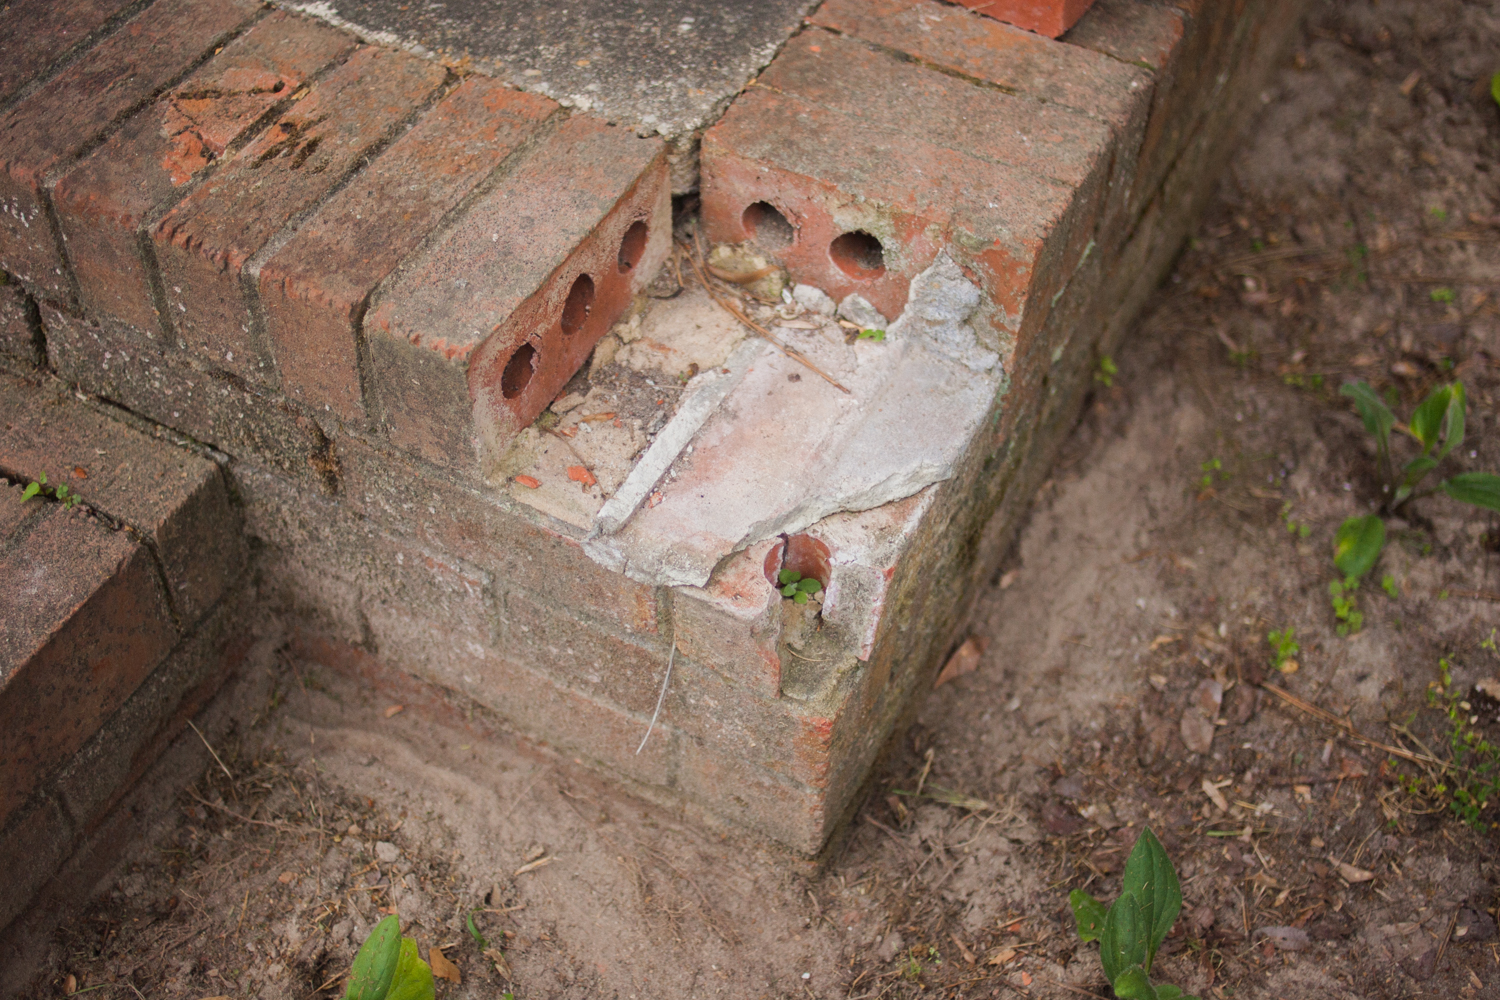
(938, 308)
(814, 300)
(857, 309)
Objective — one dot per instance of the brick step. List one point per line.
(113, 611)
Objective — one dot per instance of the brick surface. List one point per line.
(35, 34)
(170, 496)
(315, 290)
(141, 169)
(33, 844)
(52, 126)
(733, 625)
(204, 243)
(18, 340)
(474, 339)
(135, 370)
(86, 621)
(1135, 31)
(1046, 17)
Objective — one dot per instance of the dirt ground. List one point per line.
(1356, 236)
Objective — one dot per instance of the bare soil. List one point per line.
(1356, 236)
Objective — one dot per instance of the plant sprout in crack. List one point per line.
(799, 588)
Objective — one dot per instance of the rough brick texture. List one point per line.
(204, 243)
(143, 168)
(44, 132)
(18, 333)
(472, 341)
(37, 33)
(1046, 17)
(315, 290)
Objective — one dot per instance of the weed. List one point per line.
(1105, 376)
(1286, 649)
(1300, 530)
(388, 967)
(1442, 294)
(1470, 781)
(1438, 213)
(1350, 618)
(875, 335)
(1210, 467)
(797, 587)
(38, 487)
(1437, 426)
(1388, 584)
(1297, 380)
(1136, 924)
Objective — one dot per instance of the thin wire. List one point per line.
(663, 696)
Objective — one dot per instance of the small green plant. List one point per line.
(1284, 649)
(1350, 618)
(1135, 925)
(1471, 779)
(1437, 426)
(388, 967)
(875, 335)
(1388, 584)
(1105, 376)
(1437, 212)
(1209, 468)
(1299, 380)
(1300, 530)
(38, 487)
(1442, 294)
(798, 587)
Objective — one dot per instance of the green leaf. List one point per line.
(413, 979)
(810, 585)
(1482, 489)
(1150, 878)
(1412, 474)
(1357, 545)
(876, 335)
(788, 576)
(1453, 420)
(1427, 422)
(789, 590)
(375, 966)
(800, 597)
(1377, 416)
(1166, 991)
(1089, 913)
(30, 491)
(1133, 984)
(1495, 88)
(1124, 940)
(474, 933)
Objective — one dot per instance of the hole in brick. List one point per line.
(767, 226)
(802, 553)
(858, 254)
(633, 246)
(518, 371)
(580, 301)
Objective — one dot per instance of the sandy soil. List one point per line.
(1363, 199)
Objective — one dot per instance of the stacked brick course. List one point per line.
(356, 276)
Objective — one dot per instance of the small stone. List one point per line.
(1197, 731)
(857, 309)
(814, 300)
(386, 851)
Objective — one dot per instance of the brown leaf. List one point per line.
(1208, 697)
(286, 877)
(441, 967)
(963, 660)
(70, 983)
(1349, 872)
(498, 957)
(1215, 796)
(1002, 956)
(394, 710)
(1197, 731)
(1163, 640)
(963, 950)
(533, 866)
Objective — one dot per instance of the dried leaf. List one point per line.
(963, 660)
(441, 967)
(1163, 640)
(594, 418)
(1208, 697)
(394, 710)
(1286, 938)
(1197, 731)
(964, 951)
(1349, 873)
(1002, 956)
(286, 877)
(501, 965)
(1215, 796)
(533, 866)
(70, 983)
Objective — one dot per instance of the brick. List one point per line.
(134, 369)
(1046, 17)
(86, 621)
(473, 340)
(38, 33)
(47, 130)
(733, 625)
(314, 291)
(1134, 31)
(18, 333)
(34, 844)
(142, 169)
(204, 243)
(177, 500)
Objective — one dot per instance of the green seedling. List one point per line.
(1442, 294)
(1388, 584)
(1131, 930)
(1285, 649)
(876, 335)
(61, 493)
(1300, 530)
(388, 967)
(1105, 376)
(1350, 618)
(797, 587)
(1470, 780)
(1209, 468)
(1437, 427)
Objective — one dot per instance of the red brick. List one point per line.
(86, 622)
(755, 798)
(33, 844)
(142, 169)
(204, 243)
(733, 625)
(1136, 31)
(314, 291)
(1046, 17)
(48, 129)
(176, 499)
(38, 33)
(489, 296)
(133, 369)
(18, 339)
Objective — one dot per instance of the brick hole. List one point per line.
(580, 302)
(802, 553)
(633, 246)
(858, 254)
(768, 227)
(518, 371)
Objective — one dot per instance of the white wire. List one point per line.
(663, 696)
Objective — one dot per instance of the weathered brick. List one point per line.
(314, 291)
(143, 168)
(86, 621)
(176, 499)
(1046, 17)
(18, 339)
(47, 130)
(204, 243)
(1135, 31)
(38, 33)
(133, 369)
(474, 339)
(753, 797)
(733, 625)
(34, 844)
